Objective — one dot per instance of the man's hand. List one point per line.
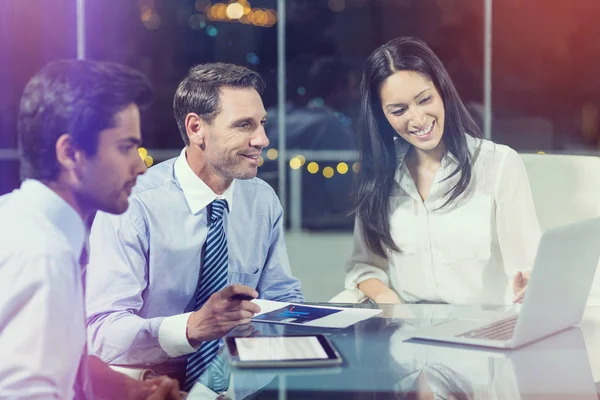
(520, 281)
(159, 388)
(164, 388)
(387, 297)
(221, 313)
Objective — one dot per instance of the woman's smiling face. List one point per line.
(414, 108)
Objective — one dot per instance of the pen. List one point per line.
(240, 296)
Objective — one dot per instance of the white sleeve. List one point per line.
(364, 264)
(172, 335)
(516, 219)
(42, 326)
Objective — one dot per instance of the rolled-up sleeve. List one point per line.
(276, 282)
(364, 264)
(517, 224)
(116, 279)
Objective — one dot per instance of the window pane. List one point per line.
(32, 33)
(545, 86)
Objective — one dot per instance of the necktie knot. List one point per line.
(218, 208)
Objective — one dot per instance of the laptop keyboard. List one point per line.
(499, 330)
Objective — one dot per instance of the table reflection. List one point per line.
(382, 362)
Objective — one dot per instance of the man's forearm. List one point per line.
(123, 338)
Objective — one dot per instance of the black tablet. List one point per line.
(281, 351)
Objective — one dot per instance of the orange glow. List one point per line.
(219, 10)
(271, 17)
(246, 5)
(260, 17)
(147, 14)
(250, 16)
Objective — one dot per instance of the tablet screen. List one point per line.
(279, 348)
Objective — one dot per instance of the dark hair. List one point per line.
(199, 91)
(374, 182)
(78, 97)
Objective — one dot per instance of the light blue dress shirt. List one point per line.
(42, 327)
(144, 265)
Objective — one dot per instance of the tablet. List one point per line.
(281, 351)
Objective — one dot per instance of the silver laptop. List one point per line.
(557, 293)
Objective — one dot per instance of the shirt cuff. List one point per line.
(172, 336)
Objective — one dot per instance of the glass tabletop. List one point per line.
(381, 361)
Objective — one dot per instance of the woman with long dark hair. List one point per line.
(441, 214)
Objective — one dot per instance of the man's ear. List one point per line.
(196, 129)
(66, 153)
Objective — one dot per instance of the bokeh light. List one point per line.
(312, 167)
(271, 18)
(356, 167)
(212, 31)
(317, 102)
(328, 172)
(152, 22)
(295, 163)
(272, 154)
(234, 11)
(246, 5)
(149, 161)
(142, 152)
(252, 58)
(342, 168)
(219, 10)
(197, 21)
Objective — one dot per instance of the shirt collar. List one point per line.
(58, 212)
(197, 193)
(449, 159)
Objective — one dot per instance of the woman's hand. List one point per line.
(520, 281)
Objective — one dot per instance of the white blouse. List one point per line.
(466, 252)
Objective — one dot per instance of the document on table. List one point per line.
(307, 315)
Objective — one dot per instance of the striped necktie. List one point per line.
(214, 278)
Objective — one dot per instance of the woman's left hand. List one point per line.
(520, 281)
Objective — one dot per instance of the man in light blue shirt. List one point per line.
(79, 129)
(147, 265)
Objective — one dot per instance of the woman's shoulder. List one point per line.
(489, 151)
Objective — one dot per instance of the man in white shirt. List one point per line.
(79, 130)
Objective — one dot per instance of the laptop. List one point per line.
(557, 293)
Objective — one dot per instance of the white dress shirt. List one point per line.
(464, 253)
(42, 327)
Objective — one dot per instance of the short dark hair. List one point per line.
(78, 97)
(377, 154)
(199, 91)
